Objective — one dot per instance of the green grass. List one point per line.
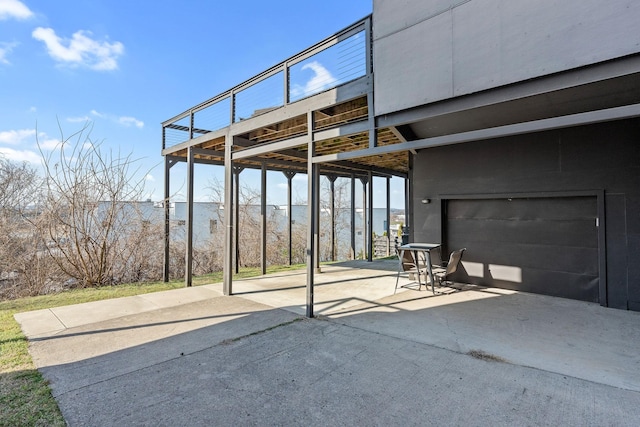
(25, 396)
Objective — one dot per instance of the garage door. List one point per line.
(541, 245)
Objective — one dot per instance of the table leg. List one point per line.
(430, 271)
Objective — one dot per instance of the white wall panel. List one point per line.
(415, 65)
(489, 43)
(391, 16)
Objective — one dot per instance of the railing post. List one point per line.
(285, 71)
(368, 45)
(232, 106)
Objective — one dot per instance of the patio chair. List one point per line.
(407, 264)
(450, 267)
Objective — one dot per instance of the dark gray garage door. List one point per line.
(541, 245)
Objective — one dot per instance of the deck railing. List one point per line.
(334, 61)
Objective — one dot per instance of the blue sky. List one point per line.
(127, 65)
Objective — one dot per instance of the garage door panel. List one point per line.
(581, 232)
(574, 286)
(557, 259)
(525, 208)
(544, 245)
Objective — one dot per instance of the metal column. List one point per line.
(364, 216)
(332, 207)
(289, 176)
(316, 223)
(263, 219)
(167, 229)
(407, 204)
(311, 213)
(188, 269)
(236, 218)
(370, 220)
(388, 227)
(227, 286)
(353, 217)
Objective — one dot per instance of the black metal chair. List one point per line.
(407, 264)
(441, 273)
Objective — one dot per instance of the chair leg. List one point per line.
(397, 279)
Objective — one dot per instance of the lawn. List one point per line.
(25, 396)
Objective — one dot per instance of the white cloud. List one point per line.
(121, 120)
(5, 50)
(15, 137)
(47, 143)
(80, 50)
(149, 178)
(322, 79)
(14, 9)
(20, 155)
(27, 137)
(79, 119)
(131, 121)
(33, 109)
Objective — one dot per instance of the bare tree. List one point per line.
(249, 229)
(342, 212)
(88, 219)
(23, 268)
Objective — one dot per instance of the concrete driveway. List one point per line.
(467, 356)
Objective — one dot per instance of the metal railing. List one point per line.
(330, 63)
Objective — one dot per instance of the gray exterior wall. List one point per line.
(448, 48)
(603, 157)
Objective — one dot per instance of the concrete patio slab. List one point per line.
(467, 356)
(573, 338)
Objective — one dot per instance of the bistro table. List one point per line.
(424, 248)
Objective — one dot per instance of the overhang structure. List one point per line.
(330, 125)
(273, 122)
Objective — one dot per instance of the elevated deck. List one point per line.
(322, 95)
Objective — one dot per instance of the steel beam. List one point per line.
(403, 133)
(256, 150)
(590, 117)
(344, 130)
(205, 152)
(346, 92)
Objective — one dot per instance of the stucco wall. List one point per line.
(597, 157)
(430, 50)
